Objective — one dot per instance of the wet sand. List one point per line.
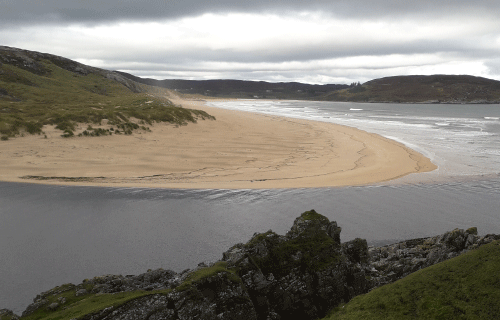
(238, 150)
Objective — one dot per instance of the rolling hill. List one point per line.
(241, 88)
(422, 89)
(38, 89)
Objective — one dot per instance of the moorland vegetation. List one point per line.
(40, 89)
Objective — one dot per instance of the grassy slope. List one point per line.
(466, 287)
(60, 97)
(76, 307)
(443, 88)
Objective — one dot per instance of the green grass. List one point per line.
(65, 99)
(76, 307)
(466, 287)
(195, 276)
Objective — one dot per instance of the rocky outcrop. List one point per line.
(7, 314)
(392, 262)
(300, 275)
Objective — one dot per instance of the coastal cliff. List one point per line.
(301, 275)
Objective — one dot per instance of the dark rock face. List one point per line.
(216, 297)
(392, 262)
(8, 314)
(301, 275)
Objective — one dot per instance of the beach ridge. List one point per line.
(239, 150)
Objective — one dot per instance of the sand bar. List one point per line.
(239, 150)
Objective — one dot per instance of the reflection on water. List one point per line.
(50, 235)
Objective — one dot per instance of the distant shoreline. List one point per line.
(239, 150)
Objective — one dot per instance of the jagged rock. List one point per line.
(53, 306)
(8, 313)
(37, 304)
(395, 261)
(356, 250)
(215, 297)
(81, 292)
(301, 275)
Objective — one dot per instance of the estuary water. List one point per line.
(462, 139)
(50, 235)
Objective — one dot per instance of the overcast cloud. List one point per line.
(315, 41)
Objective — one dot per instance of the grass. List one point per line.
(76, 307)
(435, 88)
(466, 287)
(90, 304)
(218, 267)
(65, 99)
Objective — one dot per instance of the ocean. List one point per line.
(50, 235)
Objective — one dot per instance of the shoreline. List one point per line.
(239, 150)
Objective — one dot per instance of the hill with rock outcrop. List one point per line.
(301, 275)
(452, 89)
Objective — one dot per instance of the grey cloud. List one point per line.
(493, 66)
(98, 11)
(185, 56)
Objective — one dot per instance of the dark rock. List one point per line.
(8, 313)
(53, 306)
(81, 292)
(301, 275)
(37, 304)
(395, 261)
(356, 250)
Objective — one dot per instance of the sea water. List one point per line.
(50, 235)
(462, 139)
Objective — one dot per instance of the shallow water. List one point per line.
(50, 235)
(463, 140)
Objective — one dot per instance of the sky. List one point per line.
(315, 41)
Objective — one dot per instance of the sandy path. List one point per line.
(238, 150)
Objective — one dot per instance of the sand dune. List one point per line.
(238, 150)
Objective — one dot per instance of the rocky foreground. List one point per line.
(301, 275)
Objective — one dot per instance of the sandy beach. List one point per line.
(238, 150)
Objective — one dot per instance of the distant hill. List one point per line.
(241, 88)
(423, 89)
(38, 89)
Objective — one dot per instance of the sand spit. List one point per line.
(239, 150)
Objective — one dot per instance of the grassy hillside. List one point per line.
(466, 287)
(242, 89)
(41, 89)
(430, 89)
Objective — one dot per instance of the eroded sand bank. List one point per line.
(239, 150)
